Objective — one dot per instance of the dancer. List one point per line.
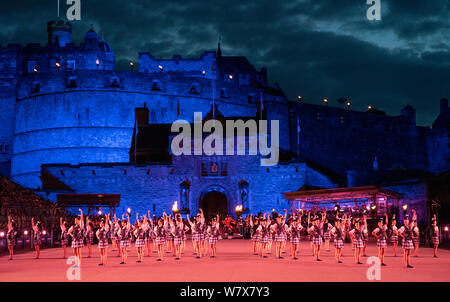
(380, 234)
(37, 229)
(168, 224)
(434, 235)
(310, 237)
(64, 236)
(184, 237)
(295, 230)
(204, 234)
(160, 238)
(124, 236)
(177, 231)
(197, 234)
(358, 243)
(116, 231)
(213, 235)
(394, 235)
(338, 233)
(415, 234)
(89, 236)
(11, 237)
(102, 236)
(326, 233)
(316, 232)
(365, 235)
(139, 233)
(263, 234)
(407, 244)
(254, 225)
(279, 230)
(76, 231)
(149, 234)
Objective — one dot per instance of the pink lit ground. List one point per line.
(235, 262)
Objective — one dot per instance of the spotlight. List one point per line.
(374, 207)
(299, 97)
(58, 65)
(35, 69)
(160, 68)
(99, 212)
(97, 63)
(230, 76)
(129, 210)
(405, 207)
(44, 232)
(369, 107)
(2, 234)
(203, 73)
(446, 229)
(131, 64)
(348, 104)
(25, 233)
(325, 100)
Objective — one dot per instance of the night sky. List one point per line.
(315, 48)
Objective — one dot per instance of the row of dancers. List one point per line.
(264, 232)
(169, 233)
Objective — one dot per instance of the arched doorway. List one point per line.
(213, 203)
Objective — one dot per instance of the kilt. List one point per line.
(256, 237)
(435, 240)
(327, 236)
(280, 237)
(294, 240)
(394, 239)
(37, 242)
(139, 242)
(147, 239)
(204, 237)
(103, 244)
(160, 240)
(317, 240)
(183, 236)
(124, 243)
(382, 243)
(90, 238)
(178, 240)
(263, 239)
(213, 240)
(407, 244)
(358, 243)
(65, 242)
(11, 242)
(338, 243)
(196, 237)
(77, 243)
(416, 240)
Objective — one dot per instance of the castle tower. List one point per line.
(59, 33)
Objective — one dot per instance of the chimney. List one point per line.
(141, 115)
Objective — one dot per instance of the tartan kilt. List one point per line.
(150, 236)
(90, 238)
(196, 237)
(178, 240)
(327, 236)
(213, 240)
(317, 240)
(11, 242)
(160, 240)
(358, 243)
(65, 242)
(37, 242)
(256, 237)
(263, 239)
(338, 243)
(139, 242)
(382, 243)
(435, 240)
(124, 243)
(407, 244)
(77, 243)
(183, 236)
(280, 237)
(416, 240)
(294, 240)
(148, 239)
(103, 244)
(394, 239)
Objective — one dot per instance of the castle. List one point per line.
(73, 124)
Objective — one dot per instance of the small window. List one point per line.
(195, 88)
(3, 148)
(31, 66)
(319, 116)
(72, 83)
(223, 93)
(114, 82)
(36, 87)
(156, 86)
(70, 64)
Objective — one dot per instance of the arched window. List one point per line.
(243, 194)
(114, 82)
(36, 87)
(195, 88)
(185, 188)
(156, 86)
(72, 82)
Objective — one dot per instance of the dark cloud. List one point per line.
(315, 48)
